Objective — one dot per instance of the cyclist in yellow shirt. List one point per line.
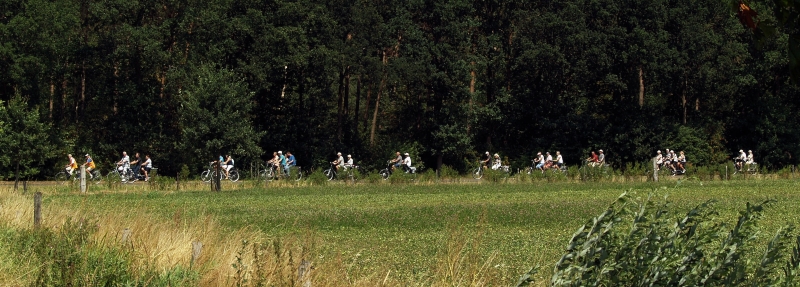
(72, 166)
(89, 165)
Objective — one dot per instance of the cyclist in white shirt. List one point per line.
(72, 164)
(124, 163)
(601, 158)
(559, 160)
(750, 159)
(548, 161)
(739, 160)
(227, 165)
(349, 162)
(146, 166)
(339, 162)
(540, 160)
(407, 163)
(659, 159)
(496, 163)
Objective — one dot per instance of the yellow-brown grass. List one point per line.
(241, 256)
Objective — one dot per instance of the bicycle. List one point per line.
(387, 172)
(63, 176)
(268, 174)
(211, 172)
(350, 174)
(477, 173)
(743, 167)
(124, 176)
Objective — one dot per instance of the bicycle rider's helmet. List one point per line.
(87, 155)
(349, 155)
(496, 155)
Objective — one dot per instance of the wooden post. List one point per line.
(25, 186)
(178, 181)
(197, 249)
(126, 235)
(726, 172)
(216, 184)
(655, 170)
(16, 177)
(83, 178)
(37, 210)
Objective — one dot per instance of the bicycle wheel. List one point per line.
(477, 173)
(329, 174)
(206, 176)
(96, 177)
(299, 175)
(384, 173)
(233, 175)
(113, 176)
(269, 174)
(61, 177)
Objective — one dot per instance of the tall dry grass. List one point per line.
(241, 257)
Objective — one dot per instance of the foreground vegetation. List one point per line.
(363, 235)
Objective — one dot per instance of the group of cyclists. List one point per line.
(744, 159)
(279, 161)
(675, 162)
(139, 168)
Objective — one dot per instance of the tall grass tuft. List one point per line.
(640, 243)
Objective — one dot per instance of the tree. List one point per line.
(215, 117)
(26, 141)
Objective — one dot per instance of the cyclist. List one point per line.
(738, 161)
(407, 163)
(89, 165)
(659, 159)
(539, 160)
(397, 161)
(349, 162)
(559, 160)
(750, 160)
(227, 165)
(136, 165)
(592, 160)
(497, 162)
(273, 162)
(601, 158)
(72, 164)
(548, 161)
(339, 162)
(681, 162)
(146, 166)
(124, 164)
(281, 159)
(290, 161)
(485, 161)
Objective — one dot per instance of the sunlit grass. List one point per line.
(392, 234)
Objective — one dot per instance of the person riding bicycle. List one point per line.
(136, 164)
(540, 160)
(407, 163)
(681, 163)
(397, 161)
(559, 160)
(146, 166)
(739, 160)
(548, 161)
(601, 158)
(227, 165)
(124, 164)
(339, 162)
(592, 160)
(349, 163)
(485, 160)
(497, 162)
(89, 165)
(659, 160)
(290, 161)
(750, 160)
(72, 165)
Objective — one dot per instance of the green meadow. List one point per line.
(409, 234)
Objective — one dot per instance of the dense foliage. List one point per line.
(443, 80)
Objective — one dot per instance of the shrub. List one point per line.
(447, 172)
(318, 178)
(638, 243)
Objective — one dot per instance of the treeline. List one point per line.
(443, 80)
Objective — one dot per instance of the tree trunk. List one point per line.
(683, 102)
(340, 106)
(375, 114)
(439, 164)
(346, 104)
(358, 102)
(366, 106)
(641, 87)
(52, 96)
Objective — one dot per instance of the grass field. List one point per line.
(373, 234)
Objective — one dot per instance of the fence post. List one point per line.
(83, 178)
(25, 187)
(726, 172)
(126, 235)
(216, 185)
(178, 181)
(37, 210)
(655, 169)
(197, 249)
